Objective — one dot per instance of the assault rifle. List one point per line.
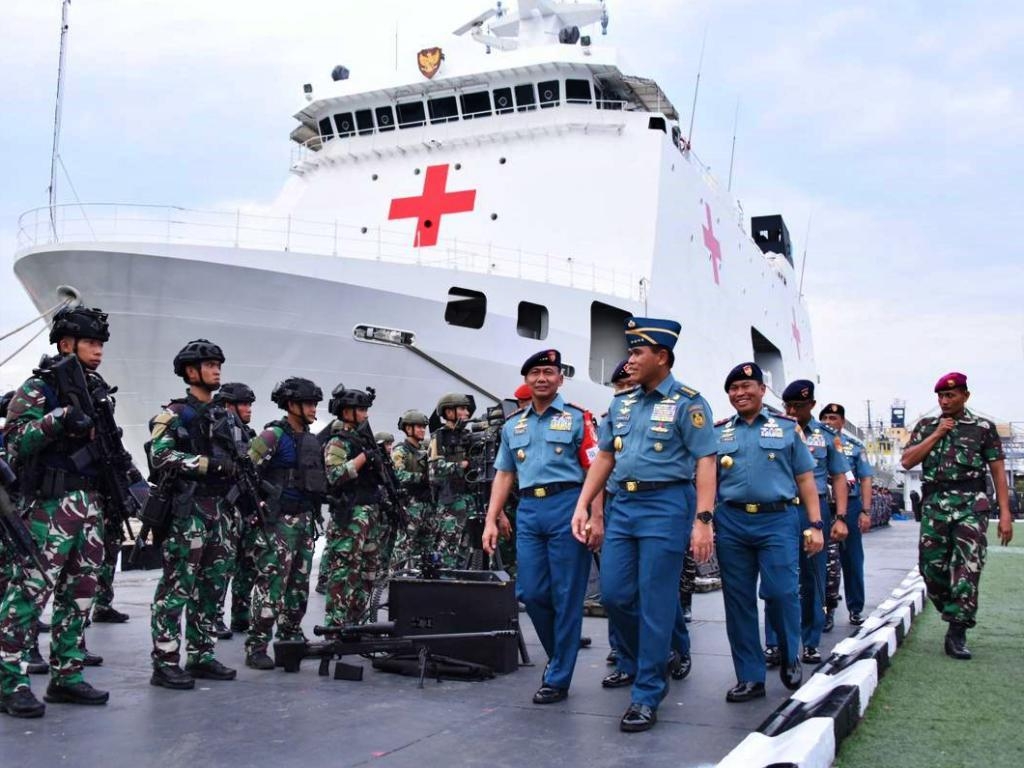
(389, 489)
(126, 489)
(13, 530)
(362, 639)
(155, 515)
(245, 495)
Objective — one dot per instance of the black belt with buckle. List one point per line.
(753, 508)
(632, 486)
(543, 491)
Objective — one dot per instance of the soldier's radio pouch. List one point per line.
(56, 483)
(181, 502)
(341, 511)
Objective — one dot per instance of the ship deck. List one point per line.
(273, 718)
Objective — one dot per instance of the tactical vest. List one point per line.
(414, 460)
(297, 468)
(362, 490)
(451, 446)
(194, 435)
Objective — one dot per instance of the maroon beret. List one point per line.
(952, 380)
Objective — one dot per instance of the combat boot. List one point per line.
(36, 664)
(105, 614)
(210, 670)
(22, 703)
(259, 660)
(91, 659)
(74, 693)
(220, 631)
(956, 641)
(239, 625)
(171, 676)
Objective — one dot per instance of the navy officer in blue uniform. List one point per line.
(656, 441)
(765, 473)
(830, 467)
(549, 444)
(858, 512)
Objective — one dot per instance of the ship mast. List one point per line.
(55, 154)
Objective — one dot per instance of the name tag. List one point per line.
(664, 412)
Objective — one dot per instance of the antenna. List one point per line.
(696, 88)
(732, 154)
(803, 263)
(55, 154)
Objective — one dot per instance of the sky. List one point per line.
(888, 135)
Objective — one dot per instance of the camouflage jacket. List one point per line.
(963, 453)
(170, 441)
(411, 468)
(340, 452)
(29, 427)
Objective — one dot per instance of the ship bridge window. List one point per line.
(532, 322)
(345, 124)
(326, 129)
(577, 91)
(656, 123)
(549, 93)
(769, 359)
(466, 308)
(411, 115)
(607, 344)
(476, 105)
(503, 100)
(443, 110)
(385, 119)
(526, 97)
(364, 121)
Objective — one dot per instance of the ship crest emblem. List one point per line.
(429, 61)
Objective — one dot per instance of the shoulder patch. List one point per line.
(688, 391)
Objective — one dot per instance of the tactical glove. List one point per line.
(76, 421)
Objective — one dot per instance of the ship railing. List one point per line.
(254, 230)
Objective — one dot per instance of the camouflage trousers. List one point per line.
(229, 539)
(281, 592)
(194, 578)
(246, 569)
(105, 576)
(353, 554)
(69, 534)
(417, 538)
(688, 576)
(951, 555)
(321, 575)
(451, 521)
(833, 574)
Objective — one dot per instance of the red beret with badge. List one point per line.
(954, 380)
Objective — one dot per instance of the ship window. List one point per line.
(443, 110)
(549, 92)
(533, 321)
(476, 105)
(568, 370)
(326, 130)
(345, 124)
(769, 359)
(607, 344)
(385, 119)
(465, 308)
(656, 123)
(526, 97)
(364, 121)
(411, 115)
(503, 100)
(577, 91)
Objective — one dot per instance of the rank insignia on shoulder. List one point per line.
(688, 391)
(784, 416)
(723, 422)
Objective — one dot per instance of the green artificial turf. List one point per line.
(936, 712)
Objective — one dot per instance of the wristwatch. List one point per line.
(839, 517)
(817, 524)
(705, 517)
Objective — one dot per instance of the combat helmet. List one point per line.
(236, 392)
(348, 398)
(413, 418)
(295, 390)
(452, 400)
(194, 353)
(80, 323)
(383, 437)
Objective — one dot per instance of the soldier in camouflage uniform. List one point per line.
(448, 463)
(410, 458)
(358, 526)
(63, 506)
(954, 450)
(187, 439)
(237, 399)
(289, 458)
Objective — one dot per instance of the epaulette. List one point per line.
(516, 412)
(632, 389)
(783, 416)
(579, 408)
(688, 391)
(829, 429)
(724, 421)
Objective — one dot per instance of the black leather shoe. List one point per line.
(856, 619)
(772, 656)
(811, 655)
(75, 693)
(585, 641)
(956, 641)
(830, 621)
(679, 665)
(639, 717)
(36, 663)
(22, 703)
(91, 659)
(211, 670)
(220, 631)
(105, 614)
(612, 657)
(548, 694)
(792, 675)
(172, 676)
(617, 679)
(745, 692)
(259, 660)
(239, 625)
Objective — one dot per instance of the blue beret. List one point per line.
(744, 372)
(544, 357)
(801, 389)
(650, 332)
(620, 372)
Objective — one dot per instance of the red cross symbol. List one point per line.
(711, 243)
(429, 207)
(796, 334)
